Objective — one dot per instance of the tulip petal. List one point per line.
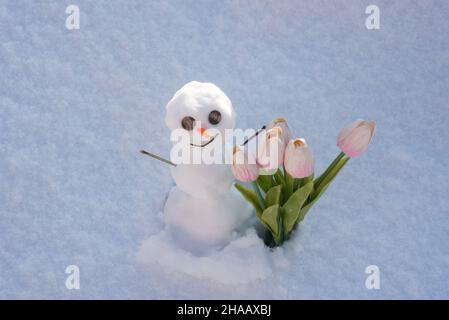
(354, 139)
(299, 159)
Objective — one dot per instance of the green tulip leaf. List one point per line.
(272, 220)
(321, 186)
(279, 177)
(289, 183)
(292, 208)
(298, 183)
(250, 196)
(264, 182)
(273, 196)
(307, 207)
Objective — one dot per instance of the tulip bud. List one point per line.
(244, 166)
(270, 153)
(355, 138)
(281, 123)
(299, 161)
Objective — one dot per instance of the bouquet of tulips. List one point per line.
(282, 175)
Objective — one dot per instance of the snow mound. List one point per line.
(243, 260)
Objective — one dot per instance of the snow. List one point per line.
(77, 105)
(203, 180)
(200, 223)
(203, 210)
(228, 266)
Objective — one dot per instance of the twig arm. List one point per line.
(157, 157)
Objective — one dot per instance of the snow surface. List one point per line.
(76, 106)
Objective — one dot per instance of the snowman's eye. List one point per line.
(187, 123)
(215, 117)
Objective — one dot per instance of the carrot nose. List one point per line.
(202, 131)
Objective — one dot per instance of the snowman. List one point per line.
(203, 211)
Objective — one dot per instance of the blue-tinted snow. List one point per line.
(76, 106)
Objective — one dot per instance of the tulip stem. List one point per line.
(259, 195)
(289, 182)
(319, 189)
(326, 172)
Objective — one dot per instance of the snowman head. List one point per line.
(201, 109)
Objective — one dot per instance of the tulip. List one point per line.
(355, 138)
(266, 172)
(244, 166)
(281, 123)
(299, 160)
(270, 153)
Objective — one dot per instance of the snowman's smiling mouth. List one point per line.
(204, 144)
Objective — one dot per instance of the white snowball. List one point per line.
(197, 100)
(203, 181)
(199, 224)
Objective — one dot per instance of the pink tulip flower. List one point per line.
(299, 161)
(354, 139)
(281, 123)
(244, 165)
(270, 153)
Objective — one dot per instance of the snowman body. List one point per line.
(203, 210)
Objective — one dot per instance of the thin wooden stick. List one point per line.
(157, 157)
(254, 135)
